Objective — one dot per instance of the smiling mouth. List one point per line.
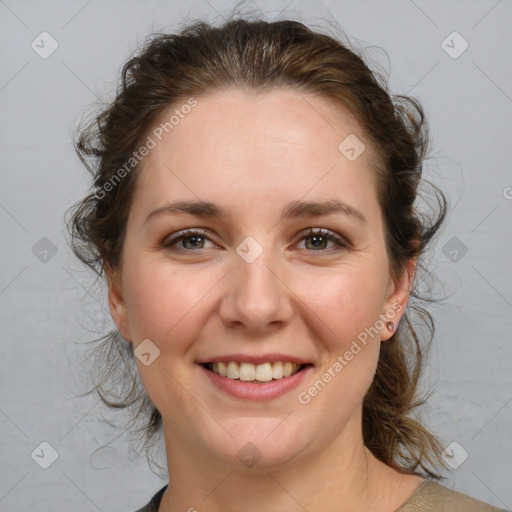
(261, 373)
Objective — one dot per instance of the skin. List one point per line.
(252, 154)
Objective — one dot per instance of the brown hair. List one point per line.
(259, 55)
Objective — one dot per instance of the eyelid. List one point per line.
(339, 240)
(322, 231)
(176, 237)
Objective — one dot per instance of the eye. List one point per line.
(193, 240)
(320, 237)
(193, 237)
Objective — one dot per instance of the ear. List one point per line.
(116, 303)
(398, 297)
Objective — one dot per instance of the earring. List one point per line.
(390, 326)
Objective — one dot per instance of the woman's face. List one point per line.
(254, 285)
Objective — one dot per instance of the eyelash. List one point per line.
(170, 243)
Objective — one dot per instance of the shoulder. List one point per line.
(431, 496)
(154, 503)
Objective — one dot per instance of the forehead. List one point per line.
(267, 148)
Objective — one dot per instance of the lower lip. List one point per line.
(253, 391)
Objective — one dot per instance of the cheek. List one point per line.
(162, 300)
(348, 300)
(350, 306)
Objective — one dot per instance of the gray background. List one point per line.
(47, 304)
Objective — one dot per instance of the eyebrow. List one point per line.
(295, 209)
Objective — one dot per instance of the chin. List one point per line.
(257, 443)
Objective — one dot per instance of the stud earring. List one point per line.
(390, 326)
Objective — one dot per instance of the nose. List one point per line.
(256, 299)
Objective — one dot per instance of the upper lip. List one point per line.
(254, 359)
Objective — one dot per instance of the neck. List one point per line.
(349, 476)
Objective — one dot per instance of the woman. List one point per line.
(254, 215)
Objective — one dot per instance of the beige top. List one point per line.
(433, 497)
(428, 497)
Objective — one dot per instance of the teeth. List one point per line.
(264, 372)
(249, 372)
(277, 370)
(233, 370)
